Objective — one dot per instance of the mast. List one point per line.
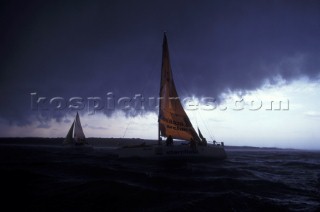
(164, 43)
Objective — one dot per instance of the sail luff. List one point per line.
(69, 136)
(173, 120)
(78, 132)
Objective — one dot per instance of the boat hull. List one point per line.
(177, 151)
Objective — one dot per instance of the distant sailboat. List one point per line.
(75, 134)
(174, 124)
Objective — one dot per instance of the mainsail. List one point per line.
(173, 120)
(75, 134)
(78, 132)
(69, 137)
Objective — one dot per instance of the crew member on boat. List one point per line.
(193, 144)
(203, 142)
(169, 141)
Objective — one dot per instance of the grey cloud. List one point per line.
(80, 48)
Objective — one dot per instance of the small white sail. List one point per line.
(75, 133)
(79, 136)
(69, 137)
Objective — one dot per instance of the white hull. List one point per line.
(176, 151)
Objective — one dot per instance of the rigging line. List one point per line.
(182, 85)
(179, 75)
(178, 72)
(187, 91)
(125, 131)
(181, 82)
(197, 118)
(148, 76)
(194, 116)
(205, 124)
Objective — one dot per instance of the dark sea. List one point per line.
(46, 176)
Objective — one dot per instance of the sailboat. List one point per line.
(174, 123)
(75, 134)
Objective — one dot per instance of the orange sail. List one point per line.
(173, 120)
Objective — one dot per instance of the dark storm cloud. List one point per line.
(89, 48)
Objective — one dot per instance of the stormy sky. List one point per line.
(89, 48)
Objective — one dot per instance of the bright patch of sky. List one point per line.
(257, 118)
(253, 118)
